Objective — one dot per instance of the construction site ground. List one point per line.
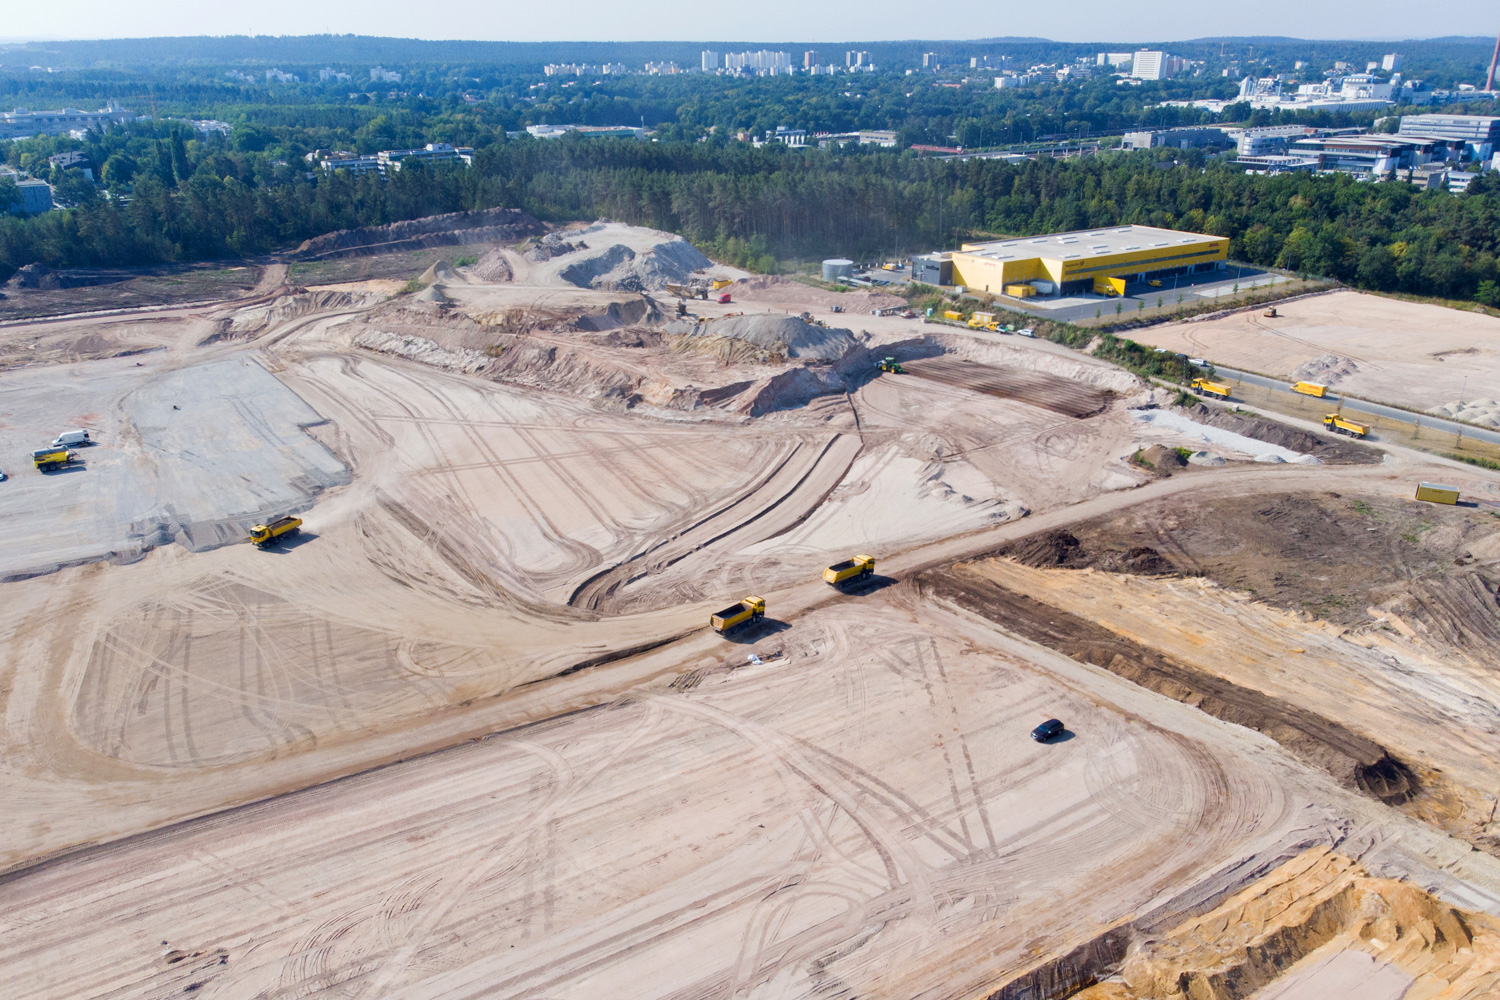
(468, 734)
(1408, 354)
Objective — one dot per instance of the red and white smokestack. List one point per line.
(1489, 81)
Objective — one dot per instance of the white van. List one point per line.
(72, 439)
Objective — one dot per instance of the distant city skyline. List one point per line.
(679, 20)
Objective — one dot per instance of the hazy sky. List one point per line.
(762, 20)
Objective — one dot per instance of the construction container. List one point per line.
(1310, 389)
(1433, 493)
(837, 269)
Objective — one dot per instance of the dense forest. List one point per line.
(191, 201)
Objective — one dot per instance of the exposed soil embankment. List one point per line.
(1366, 937)
(1332, 556)
(1330, 451)
(1355, 761)
(490, 225)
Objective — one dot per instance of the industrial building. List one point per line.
(1095, 260)
(21, 123)
(1187, 137)
(1478, 134)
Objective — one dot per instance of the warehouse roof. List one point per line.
(1089, 243)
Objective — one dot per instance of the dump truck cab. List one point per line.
(858, 568)
(282, 527)
(750, 609)
(1209, 388)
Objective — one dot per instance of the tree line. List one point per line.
(191, 202)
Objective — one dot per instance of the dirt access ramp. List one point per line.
(1038, 388)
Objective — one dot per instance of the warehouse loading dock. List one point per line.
(1103, 261)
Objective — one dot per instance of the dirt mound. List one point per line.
(1326, 369)
(1061, 548)
(1162, 459)
(553, 245)
(1367, 936)
(618, 315)
(491, 269)
(789, 335)
(1325, 449)
(433, 294)
(620, 268)
(442, 271)
(1483, 412)
(490, 225)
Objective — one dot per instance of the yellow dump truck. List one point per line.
(1310, 389)
(47, 459)
(282, 527)
(1342, 425)
(1433, 493)
(850, 569)
(751, 609)
(1208, 388)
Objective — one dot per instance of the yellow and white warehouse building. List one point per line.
(1092, 260)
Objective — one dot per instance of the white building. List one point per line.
(1116, 60)
(381, 75)
(710, 61)
(21, 122)
(1148, 65)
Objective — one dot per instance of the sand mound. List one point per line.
(491, 269)
(433, 294)
(1318, 926)
(789, 335)
(1484, 412)
(442, 271)
(1326, 369)
(621, 268)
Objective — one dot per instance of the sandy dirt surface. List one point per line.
(1405, 353)
(840, 819)
(469, 735)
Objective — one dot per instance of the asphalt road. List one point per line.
(1375, 409)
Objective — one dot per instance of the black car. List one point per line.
(1047, 730)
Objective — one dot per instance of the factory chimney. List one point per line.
(1489, 82)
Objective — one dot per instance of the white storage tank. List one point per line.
(837, 269)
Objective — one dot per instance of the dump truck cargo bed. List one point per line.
(747, 610)
(849, 569)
